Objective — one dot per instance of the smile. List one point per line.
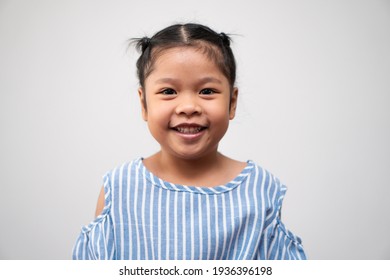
(189, 129)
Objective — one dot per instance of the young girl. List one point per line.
(188, 201)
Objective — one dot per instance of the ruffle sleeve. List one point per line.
(96, 240)
(281, 244)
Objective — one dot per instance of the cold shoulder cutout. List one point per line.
(100, 203)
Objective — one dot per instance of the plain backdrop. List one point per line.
(314, 80)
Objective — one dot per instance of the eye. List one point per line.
(207, 91)
(168, 91)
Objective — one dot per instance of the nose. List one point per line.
(188, 104)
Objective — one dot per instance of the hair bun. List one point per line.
(144, 43)
(225, 38)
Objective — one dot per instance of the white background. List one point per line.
(314, 79)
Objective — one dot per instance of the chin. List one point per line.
(192, 155)
(188, 156)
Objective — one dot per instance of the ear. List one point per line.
(141, 95)
(233, 103)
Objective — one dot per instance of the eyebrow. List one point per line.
(202, 81)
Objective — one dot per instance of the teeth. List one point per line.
(188, 130)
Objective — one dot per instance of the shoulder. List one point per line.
(123, 167)
(119, 176)
(113, 181)
(264, 176)
(116, 174)
(268, 186)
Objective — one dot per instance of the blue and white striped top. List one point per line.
(146, 218)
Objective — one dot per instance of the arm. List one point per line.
(96, 239)
(100, 203)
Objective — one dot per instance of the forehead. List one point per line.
(183, 54)
(184, 60)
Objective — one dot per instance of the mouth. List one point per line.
(189, 128)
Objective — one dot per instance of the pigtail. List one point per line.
(225, 39)
(144, 43)
(141, 44)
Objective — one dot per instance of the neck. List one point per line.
(185, 171)
(191, 166)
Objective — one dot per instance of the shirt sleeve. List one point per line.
(281, 244)
(96, 240)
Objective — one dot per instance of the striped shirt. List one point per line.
(146, 218)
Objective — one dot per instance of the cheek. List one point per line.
(219, 122)
(220, 110)
(158, 114)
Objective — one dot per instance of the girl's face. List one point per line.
(188, 103)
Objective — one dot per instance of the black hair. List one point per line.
(215, 45)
